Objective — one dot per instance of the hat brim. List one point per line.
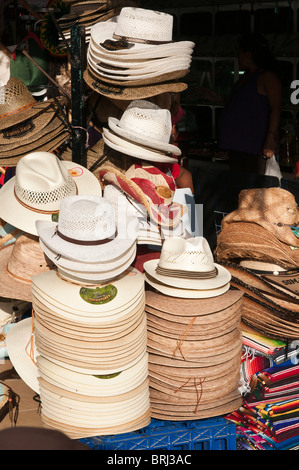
(101, 32)
(20, 116)
(125, 92)
(114, 125)
(185, 293)
(12, 287)
(13, 212)
(222, 278)
(123, 146)
(111, 250)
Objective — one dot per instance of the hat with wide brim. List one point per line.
(91, 271)
(23, 216)
(18, 263)
(129, 148)
(104, 32)
(22, 352)
(129, 93)
(17, 104)
(220, 280)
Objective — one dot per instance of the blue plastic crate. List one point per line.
(206, 434)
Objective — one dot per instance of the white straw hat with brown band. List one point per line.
(40, 183)
(17, 104)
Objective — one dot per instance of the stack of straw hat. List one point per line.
(133, 56)
(194, 339)
(27, 125)
(90, 334)
(258, 244)
(88, 13)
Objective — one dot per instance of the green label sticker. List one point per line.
(55, 217)
(98, 295)
(110, 376)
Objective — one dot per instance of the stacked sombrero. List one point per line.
(90, 334)
(86, 14)
(133, 56)
(27, 125)
(194, 340)
(258, 244)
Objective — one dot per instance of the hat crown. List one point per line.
(42, 181)
(193, 254)
(86, 218)
(13, 96)
(144, 25)
(146, 120)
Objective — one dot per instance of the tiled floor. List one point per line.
(28, 407)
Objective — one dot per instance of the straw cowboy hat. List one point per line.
(87, 231)
(17, 104)
(188, 264)
(148, 186)
(145, 124)
(18, 263)
(40, 183)
(274, 209)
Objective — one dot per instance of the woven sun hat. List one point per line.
(22, 351)
(40, 183)
(147, 124)
(17, 103)
(138, 33)
(87, 230)
(18, 263)
(274, 209)
(188, 264)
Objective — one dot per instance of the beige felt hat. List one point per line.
(40, 183)
(18, 263)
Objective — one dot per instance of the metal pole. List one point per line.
(78, 107)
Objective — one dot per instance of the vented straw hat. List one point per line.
(41, 182)
(87, 231)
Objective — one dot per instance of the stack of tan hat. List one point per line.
(258, 244)
(27, 125)
(133, 56)
(194, 340)
(89, 323)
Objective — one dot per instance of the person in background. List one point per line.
(249, 123)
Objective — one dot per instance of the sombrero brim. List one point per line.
(128, 148)
(20, 217)
(222, 278)
(122, 92)
(114, 125)
(12, 287)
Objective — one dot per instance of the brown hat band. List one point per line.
(29, 105)
(85, 242)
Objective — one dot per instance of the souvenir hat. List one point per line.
(147, 124)
(40, 183)
(87, 230)
(188, 264)
(101, 271)
(274, 209)
(18, 263)
(136, 32)
(17, 104)
(148, 186)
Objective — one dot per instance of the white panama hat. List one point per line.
(40, 183)
(146, 124)
(87, 230)
(187, 264)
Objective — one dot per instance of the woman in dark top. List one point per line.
(250, 119)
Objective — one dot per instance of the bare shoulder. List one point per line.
(268, 80)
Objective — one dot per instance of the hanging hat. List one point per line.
(40, 183)
(88, 232)
(17, 104)
(18, 263)
(145, 124)
(148, 186)
(188, 264)
(274, 209)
